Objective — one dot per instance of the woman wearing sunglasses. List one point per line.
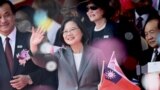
(79, 66)
(99, 12)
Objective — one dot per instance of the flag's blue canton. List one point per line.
(111, 75)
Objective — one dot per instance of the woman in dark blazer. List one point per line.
(99, 12)
(79, 66)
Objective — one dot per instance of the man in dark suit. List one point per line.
(132, 33)
(142, 13)
(152, 33)
(14, 74)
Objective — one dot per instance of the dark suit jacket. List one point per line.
(108, 32)
(130, 37)
(22, 42)
(147, 56)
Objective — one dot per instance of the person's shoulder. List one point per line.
(23, 34)
(92, 49)
(63, 50)
(94, 52)
(148, 51)
(111, 24)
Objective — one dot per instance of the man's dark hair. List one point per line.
(154, 18)
(2, 2)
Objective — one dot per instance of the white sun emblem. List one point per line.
(110, 74)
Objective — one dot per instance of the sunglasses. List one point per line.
(92, 8)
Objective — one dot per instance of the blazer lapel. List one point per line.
(149, 55)
(84, 62)
(71, 63)
(18, 48)
(158, 58)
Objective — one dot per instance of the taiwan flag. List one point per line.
(113, 78)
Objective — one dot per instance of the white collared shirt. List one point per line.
(144, 16)
(12, 40)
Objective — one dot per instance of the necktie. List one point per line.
(155, 56)
(139, 24)
(8, 53)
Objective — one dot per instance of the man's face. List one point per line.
(7, 19)
(151, 33)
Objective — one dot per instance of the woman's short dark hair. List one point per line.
(2, 2)
(79, 23)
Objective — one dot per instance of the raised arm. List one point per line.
(36, 38)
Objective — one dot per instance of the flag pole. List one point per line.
(113, 53)
(102, 72)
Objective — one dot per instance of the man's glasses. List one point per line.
(92, 8)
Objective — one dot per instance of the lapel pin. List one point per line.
(106, 36)
(19, 46)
